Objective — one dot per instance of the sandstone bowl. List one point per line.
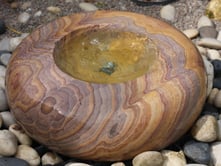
(106, 85)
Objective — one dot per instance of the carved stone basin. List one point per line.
(106, 85)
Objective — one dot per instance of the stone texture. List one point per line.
(172, 158)
(168, 12)
(8, 143)
(208, 32)
(216, 153)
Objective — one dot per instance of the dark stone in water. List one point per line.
(197, 151)
(217, 83)
(10, 161)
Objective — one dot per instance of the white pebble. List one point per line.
(212, 95)
(217, 100)
(210, 74)
(209, 43)
(204, 21)
(205, 129)
(202, 50)
(213, 54)
(168, 12)
(20, 134)
(8, 143)
(76, 164)
(172, 158)
(28, 154)
(219, 130)
(87, 6)
(5, 58)
(191, 33)
(219, 36)
(2, 82)
(38, 13)
(3, 100)
(118, 164)
(54, 9)
(1, 121)
(216, 153)
(50, 158)
(15, 41)
(7, 118)
(2, 71)
(24, 17)
(152, 158)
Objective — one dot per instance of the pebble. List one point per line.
(38, 13)
(54, 9)
(5, 58)
(205, 129)
(202, 50)
(208, 32)
(69, 1)
(209, 43)
(216, 153)
(204, 21)
(2, 71)
(2, 26)
(24, 17)
(168, 12)
(217, 100)
(26, 5)
(4, 44)
(87, 6)
(11, 161)
(50, 158)
(118, 164)
(20, 134)
(76, 164)
(28, 154)
(3, 101)
(217, 67)
(15, 41)
(197, 151)
(8, 143)
(191, 33)
(149, 158)
(219, 130)
(213, 54)
(219, 35)
(7, 118)
(209, 73)
(196, 165)
(1, 121)
(14, 5)
(172, 158)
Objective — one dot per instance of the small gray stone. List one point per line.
(8, 143)
(3, 101)
(208, 31)
(11, 161)
(198, 152)
(168, 12)
(216, 153)
(26, 5)
(2, 71)
(204, 21)
(7, 118)
(4, 44)
(87, 6)
(5, 58)
(152, 158)
(24, 17)
(205, 129)
(209, 43)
